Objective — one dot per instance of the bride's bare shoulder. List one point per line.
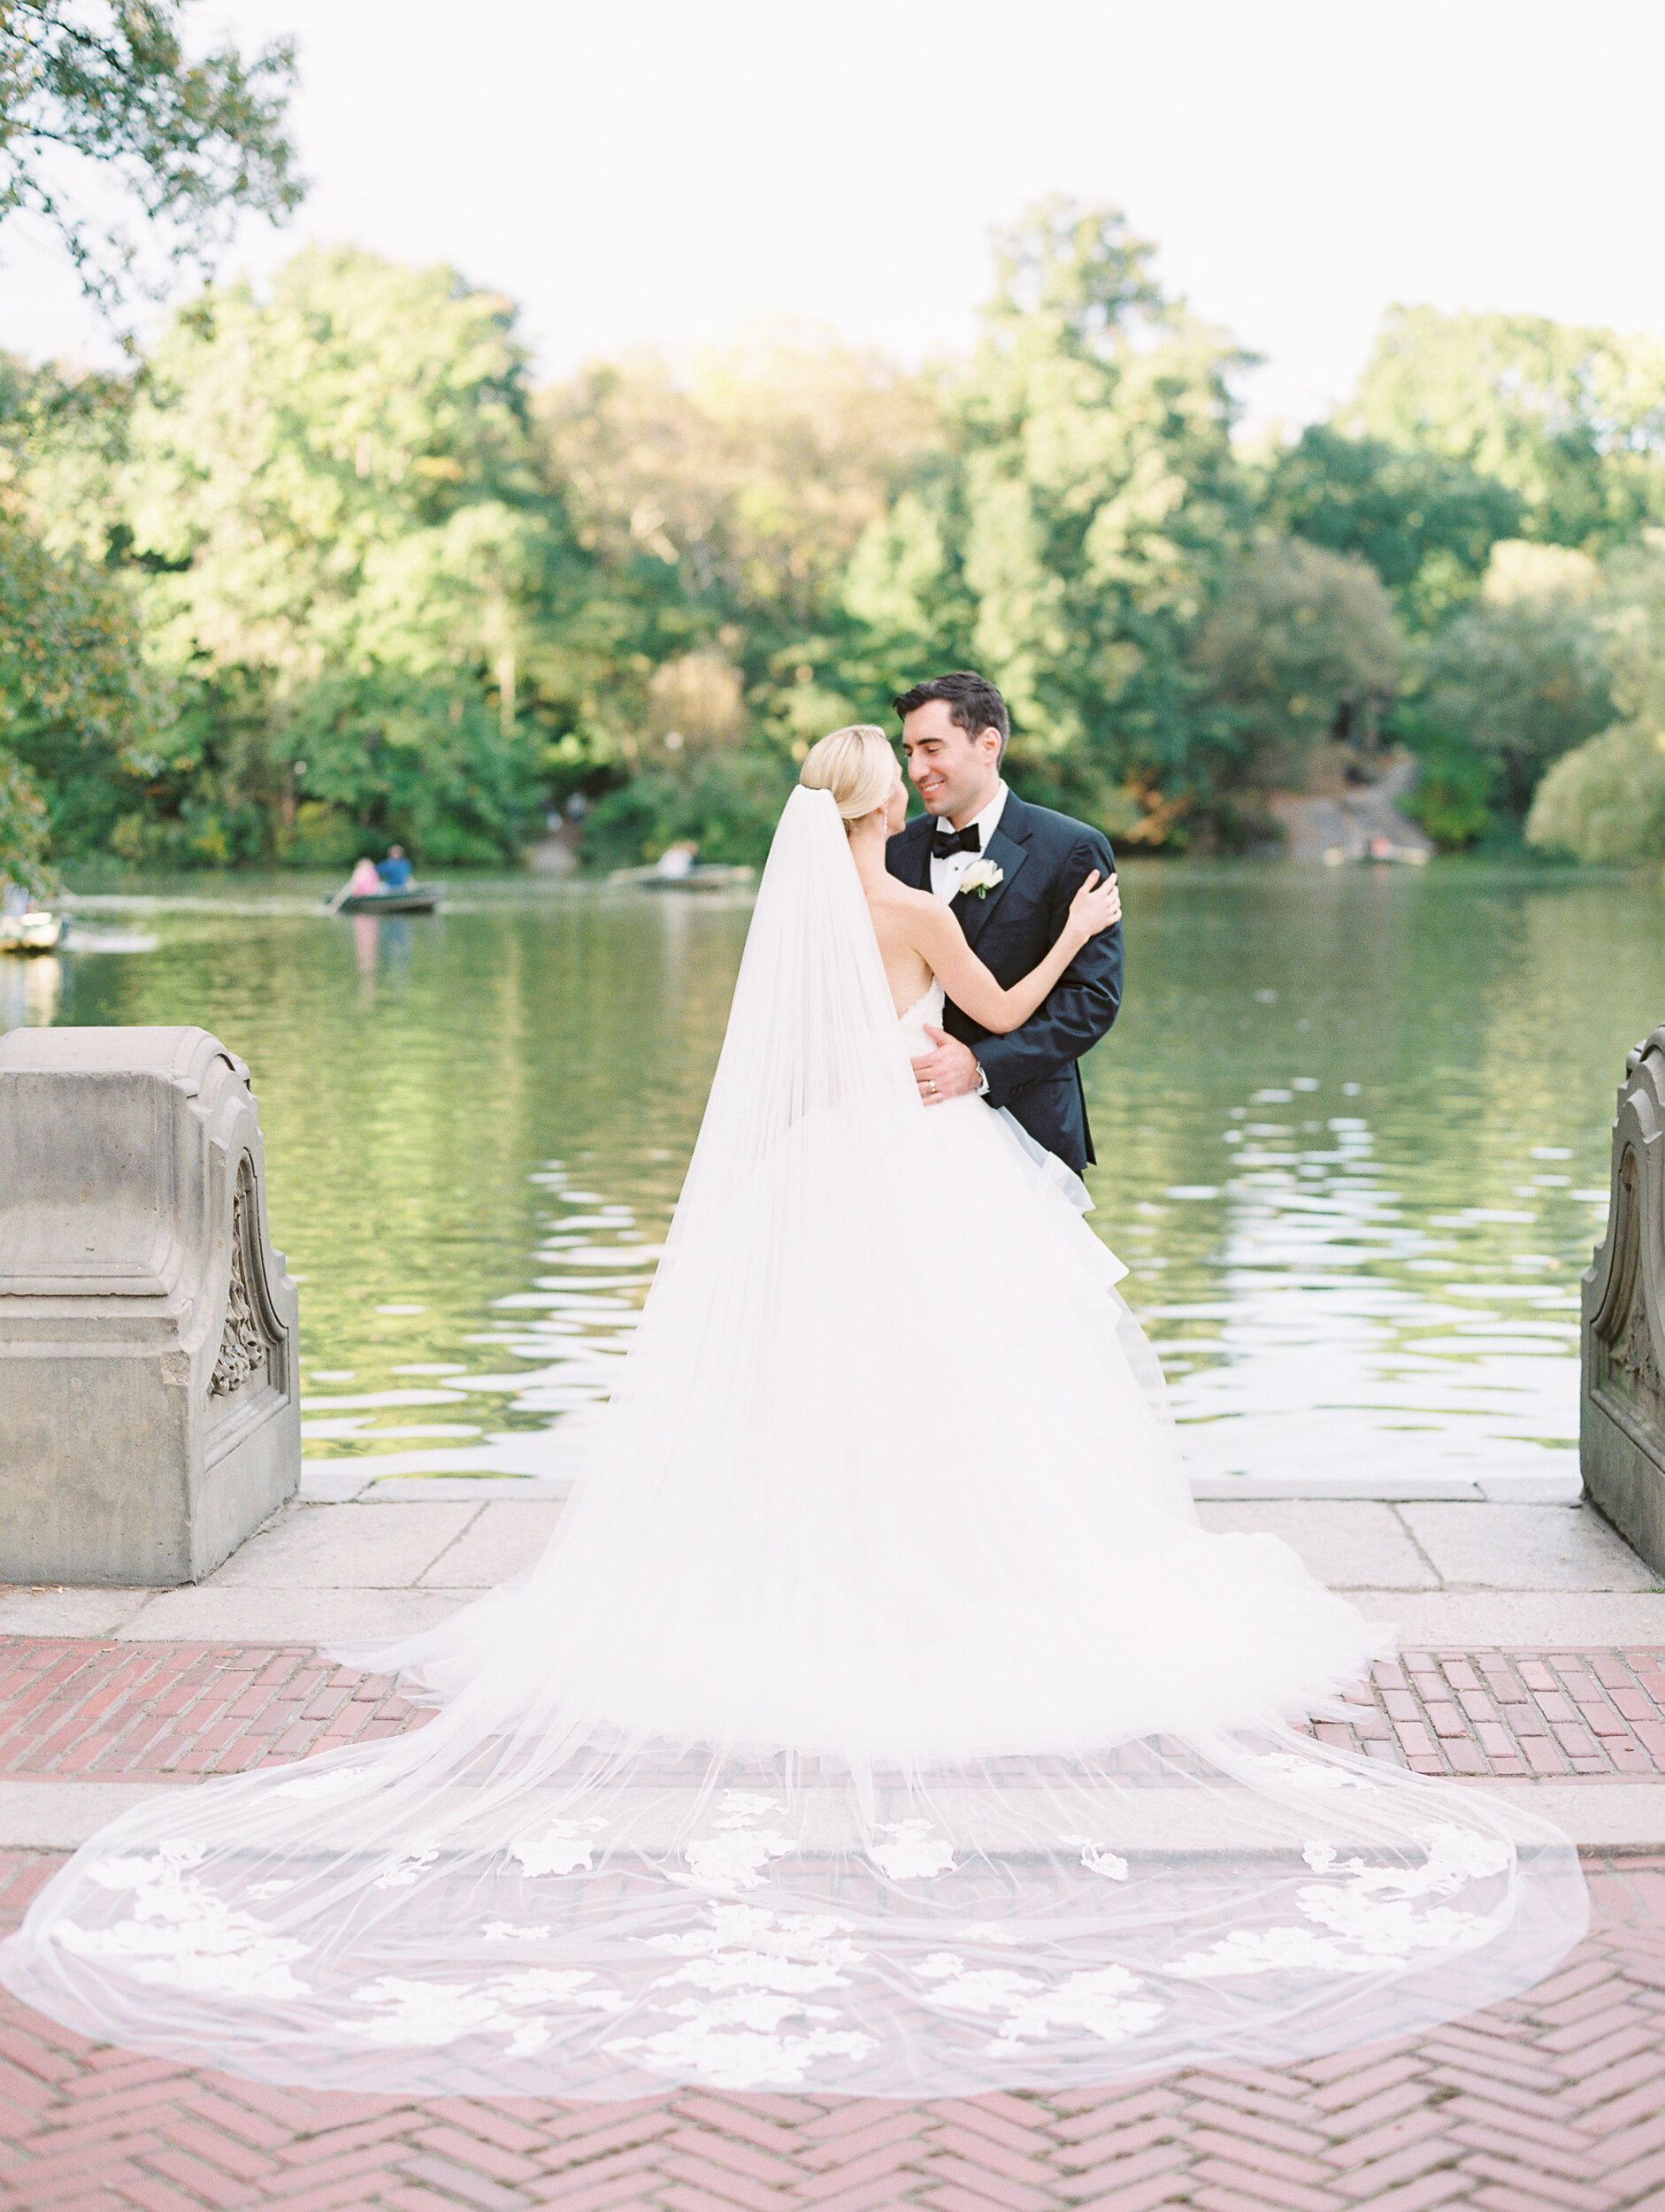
(899, 898)
(904, 916)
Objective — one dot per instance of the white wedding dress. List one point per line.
(880, 1720)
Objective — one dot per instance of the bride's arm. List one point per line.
(940, 941)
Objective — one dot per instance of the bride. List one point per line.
(879, 1719)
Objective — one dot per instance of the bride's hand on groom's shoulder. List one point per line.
(1096, 906)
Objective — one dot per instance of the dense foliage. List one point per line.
(325, 570)
(1605, 799)
(103, 115)
(101, 109)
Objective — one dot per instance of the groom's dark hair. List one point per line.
(973, 702)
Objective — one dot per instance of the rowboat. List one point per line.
(712, 876)
(416, 898)
(35, 931)
(1377, 852)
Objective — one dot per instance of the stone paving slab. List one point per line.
(286, 1616)
(1456, 1574)
(310, 1550)
(1360, 1544)
(54, 1816)
(1529, 1619)
(1456, 1619)
(48, 1611)
(51, 1815)
(501, 1541)
(343, 1481)
(1351, 1544)
(1600, 1816)
(1555, 2102)
(1525, 1547)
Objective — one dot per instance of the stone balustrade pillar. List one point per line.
(1621, 1407)
(149, 1414)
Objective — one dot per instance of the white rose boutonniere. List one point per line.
(981, 877)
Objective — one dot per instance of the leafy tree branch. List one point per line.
(100, 105)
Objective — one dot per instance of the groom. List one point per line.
(1024, 864)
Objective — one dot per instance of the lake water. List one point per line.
(1352, 1131)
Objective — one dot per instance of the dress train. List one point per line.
(880, 1720)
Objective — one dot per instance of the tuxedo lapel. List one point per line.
(914, 856)
(1009, 853)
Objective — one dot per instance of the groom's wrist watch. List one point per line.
(982, 1081)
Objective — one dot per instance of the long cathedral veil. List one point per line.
(877, 1721)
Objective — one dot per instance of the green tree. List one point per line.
(61, 626)
(728, 807)
(722, 509)
(1571, 419)
(1521, 677)
(93, 96)
(1606, 799)
(83, 722)
(1452, 795)
(304, 470)
(1094, 502)
(905, 584)
(1425, 524)
(24, 832)
(397, 754)
(1631, 618)
(1303, 645)
(334, 491)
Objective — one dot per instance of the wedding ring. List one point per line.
(930, 1085)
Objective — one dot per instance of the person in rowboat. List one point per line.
(363, 881)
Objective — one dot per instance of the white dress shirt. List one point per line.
(945, 875)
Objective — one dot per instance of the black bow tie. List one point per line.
(946, 842)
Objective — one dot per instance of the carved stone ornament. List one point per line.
(1621, 1407)
(242, 1348)
(1631, 1354)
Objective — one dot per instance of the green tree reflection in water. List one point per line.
(1351, 1133)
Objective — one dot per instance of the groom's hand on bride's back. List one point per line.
(948, 1070)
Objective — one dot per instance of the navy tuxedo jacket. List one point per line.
(1043, 859)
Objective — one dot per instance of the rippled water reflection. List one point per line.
(1352, 1131)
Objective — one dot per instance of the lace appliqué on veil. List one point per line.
(1371, 1915)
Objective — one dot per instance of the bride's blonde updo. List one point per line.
(856, 765)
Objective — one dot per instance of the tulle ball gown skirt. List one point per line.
(880, 1720)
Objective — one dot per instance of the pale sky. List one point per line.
(661, 172)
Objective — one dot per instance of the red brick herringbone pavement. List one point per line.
(1555, 2103)
(134, 1711)
(1596, 1715)
(138, 1710)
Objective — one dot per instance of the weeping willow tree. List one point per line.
(1605, 800)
